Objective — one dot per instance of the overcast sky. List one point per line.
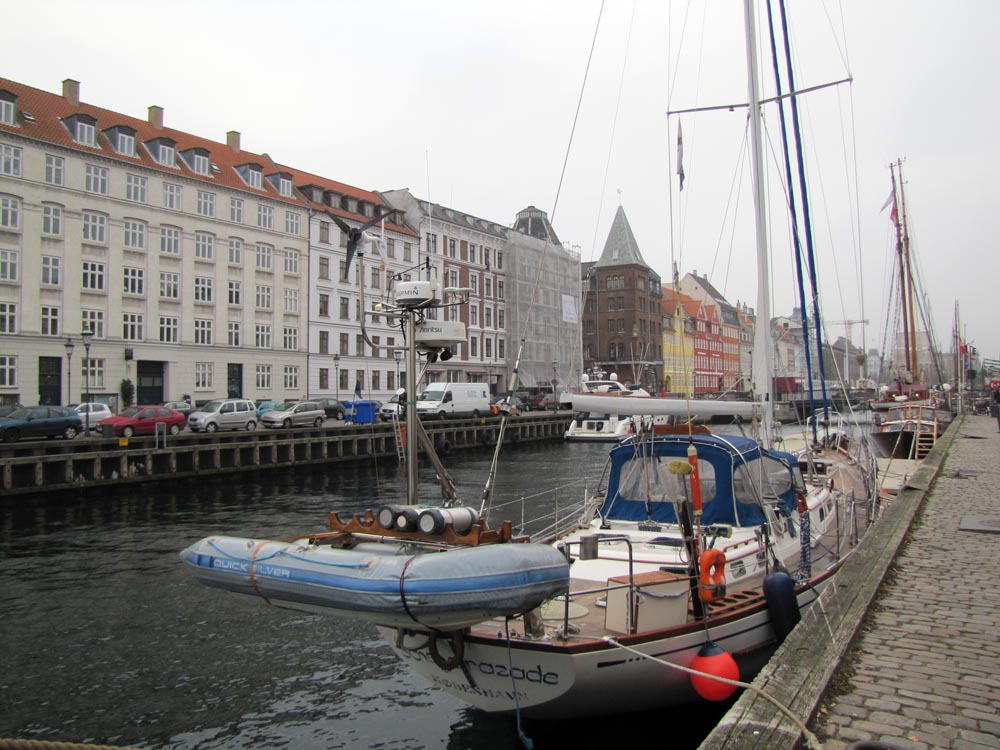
(470, 104)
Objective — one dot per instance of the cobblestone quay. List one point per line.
(906, 654)
(925, 672)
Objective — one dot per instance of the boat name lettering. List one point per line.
(532, 674)
(241, 566)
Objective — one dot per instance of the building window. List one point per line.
(170, 240)
(324, 342)
(265, 217)
(291, 300)
(265, 259)
(234, 292)
(262, 377)
(135, 234)
(344, 339)
(324, 379)
(10, 212)
(324, 305)
(132, 327)
(390, 247)
(51, 266)
(324, 232)
(126, 144)
(92, 371)
(324, 267)
(93, 321)
(474, 346)
(50, 321)
(252, 175)
(204, 375)
(290, 338)
(291, 377)
(202, 289)
(8, 364)
(233, 333)
(407, 252)
(169, 329)
(8, 317)
(203, 331)
(202, 165)
(93, 276)
(285, 187)
(204, 246)
(291, 261)
(132, 281)
(167, 155)
(376, 278)
(96, 180)
(236, 251)
(7, 112)
(54, 167)
(344, 308)
(206, 203)
(236, 210)
(95, 227)
(172, 196)
(499, 289)
(291, 222)
(86, 134)
(262, 297)
(262, 336)
(10, 160)
(170, 285)
(51, 219)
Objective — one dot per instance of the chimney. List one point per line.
(156, 117)
(71, 91)
(233, 140)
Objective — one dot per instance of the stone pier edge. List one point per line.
(800, 671)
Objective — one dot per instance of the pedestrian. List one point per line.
(995, 406)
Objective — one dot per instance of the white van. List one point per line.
(445, 400)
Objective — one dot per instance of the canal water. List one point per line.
(105, 638)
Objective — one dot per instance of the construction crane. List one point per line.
(847, 326)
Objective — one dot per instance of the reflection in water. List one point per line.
(105, 638)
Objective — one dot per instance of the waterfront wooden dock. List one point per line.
(45, 466)
(905, 653)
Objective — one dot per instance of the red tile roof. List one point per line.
(40, 116)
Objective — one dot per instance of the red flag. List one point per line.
(891, 200)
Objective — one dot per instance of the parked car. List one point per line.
(224, 414)
(265, 405)
(542, 402)
(509, 404)
(392, 408)
(40, 421)
(92, 413)
(184, 407)
(295, 414)
(142, 420)
(6, 409)
(333, 408)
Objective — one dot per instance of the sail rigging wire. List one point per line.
(515, 375)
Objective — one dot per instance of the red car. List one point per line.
(142, 420)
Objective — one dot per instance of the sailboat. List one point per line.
(684, 571)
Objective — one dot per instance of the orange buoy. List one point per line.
(712, 661)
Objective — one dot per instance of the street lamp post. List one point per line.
(68, 346)
(336, 369)
(555, 369)
(397, 354)
(87, 335)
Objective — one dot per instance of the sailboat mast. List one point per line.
(903, 297)
(911, 362)
(762, 354)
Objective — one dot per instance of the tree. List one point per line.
(127, 392)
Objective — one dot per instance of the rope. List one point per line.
(812, 741)
(525, 739)
(9, 743)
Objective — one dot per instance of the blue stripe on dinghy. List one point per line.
(415, 586)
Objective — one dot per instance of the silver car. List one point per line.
(224, 414)
(295, 414)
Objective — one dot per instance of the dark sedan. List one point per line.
(334, 409)
(40, 421)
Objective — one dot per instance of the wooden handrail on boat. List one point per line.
(477, 534)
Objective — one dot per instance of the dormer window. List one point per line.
(83, 128)
(122, 139)
(198, 160)
(8, 108)
(163, 151)
(281, 182)
(252, 175)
